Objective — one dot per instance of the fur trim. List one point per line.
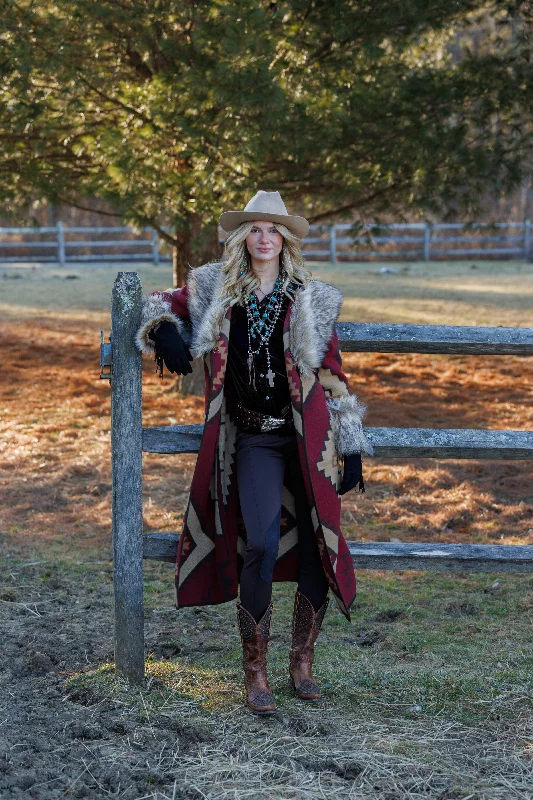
(205, 306)
(314, 314)
(154, 310)
(346, 414)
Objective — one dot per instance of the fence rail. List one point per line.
(416, 241)
(387, 442)
(397, 555)
(129, 440)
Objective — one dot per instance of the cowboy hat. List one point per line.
(266, 206)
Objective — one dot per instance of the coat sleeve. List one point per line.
(345, 410)
(169, 306)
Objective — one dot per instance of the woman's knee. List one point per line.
(262, 551)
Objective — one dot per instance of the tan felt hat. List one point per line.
(267, 206)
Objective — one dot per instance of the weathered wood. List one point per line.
(442, 557)
(398, 555)
(172, 439)
(387, 442)
(126, 453)
(451, 443)
(455, 339)
(160, 546)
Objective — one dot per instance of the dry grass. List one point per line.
(437, 706)
(427, 693)
(55, 411)
(303, 753)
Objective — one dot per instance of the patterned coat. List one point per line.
(328, 424)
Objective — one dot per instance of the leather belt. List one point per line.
(255, 422)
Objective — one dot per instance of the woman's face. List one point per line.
(264, 242)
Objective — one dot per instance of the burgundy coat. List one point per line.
(327, 423)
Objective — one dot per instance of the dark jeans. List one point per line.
(261, 462)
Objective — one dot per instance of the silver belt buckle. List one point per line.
(271, 423)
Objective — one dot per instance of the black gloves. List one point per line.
(353, 474)
(171, 349)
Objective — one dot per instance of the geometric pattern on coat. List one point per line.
(213, 538)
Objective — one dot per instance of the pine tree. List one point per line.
(173, 110)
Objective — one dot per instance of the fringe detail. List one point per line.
(346, 415)
(154, 310)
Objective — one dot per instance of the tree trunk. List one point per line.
(194, 383)
(180, 258)
(195, 245)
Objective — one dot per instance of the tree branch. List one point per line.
(74, 204)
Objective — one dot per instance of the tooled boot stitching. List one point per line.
(305, 629)
(254, 638)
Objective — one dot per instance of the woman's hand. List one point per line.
(170, 348)
(353, 474)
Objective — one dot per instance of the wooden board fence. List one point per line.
(398, 555)
(413, 241)
(129, 441)
(387, 442)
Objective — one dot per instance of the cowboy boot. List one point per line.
(254, 638)
(306, 626)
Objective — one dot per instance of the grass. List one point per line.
(457, 646)
(438, 706)
(428, 693)
(447, 293)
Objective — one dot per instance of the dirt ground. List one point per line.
(69, 729)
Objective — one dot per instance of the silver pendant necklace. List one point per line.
(261, 328)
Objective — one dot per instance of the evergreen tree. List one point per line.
(173, 110)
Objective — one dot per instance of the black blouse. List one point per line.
(265, 398)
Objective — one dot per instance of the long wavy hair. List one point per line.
(239, 278)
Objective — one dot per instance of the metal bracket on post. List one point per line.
(126, 454)
(106, 358)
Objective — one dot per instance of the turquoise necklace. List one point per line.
(260, 328)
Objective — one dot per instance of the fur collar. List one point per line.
(314, 314)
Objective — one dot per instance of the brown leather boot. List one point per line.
(306, 626)
(254, 638)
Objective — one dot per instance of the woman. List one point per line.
(264, 501)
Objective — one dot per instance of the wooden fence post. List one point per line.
(155, 247)
(332, 244)
(527, 240)
(126, 458)
(60, 243)
(427, 240)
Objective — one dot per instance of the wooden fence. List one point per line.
(121, 361)
(416, 241)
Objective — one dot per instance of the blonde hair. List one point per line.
(240, 280)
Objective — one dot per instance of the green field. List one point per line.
(450, 293)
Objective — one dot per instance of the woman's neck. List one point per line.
(266, 272)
